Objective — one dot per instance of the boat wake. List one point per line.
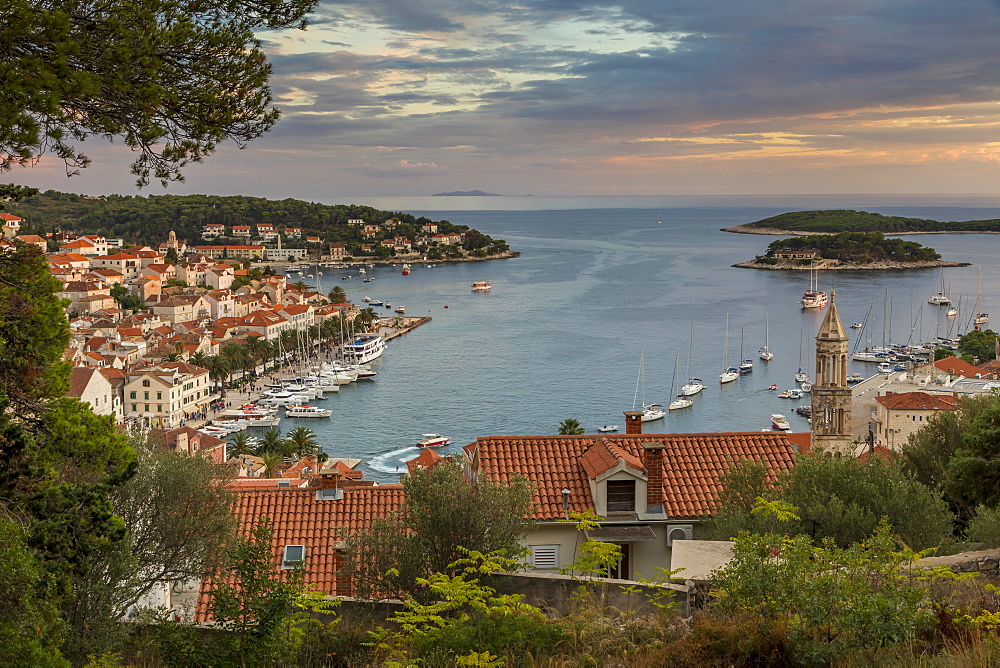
(393, 462)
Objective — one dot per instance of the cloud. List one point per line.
(400, 169)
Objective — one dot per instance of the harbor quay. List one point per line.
(249, 391)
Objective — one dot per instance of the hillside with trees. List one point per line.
(148, 220)
(846, 250)
(831, 221)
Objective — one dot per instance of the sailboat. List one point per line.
(746, 366)
(694, 385)
(765, 352)
(940, 298)
(981, 318)
(814, 297)
(650, 412)
(681, 401)
(729, 373)
(800, 376)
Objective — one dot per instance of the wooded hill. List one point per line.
(855, 247)
(147, 220)
(845, 220)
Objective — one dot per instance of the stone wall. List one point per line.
(984, 562)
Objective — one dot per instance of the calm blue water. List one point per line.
(562, 332)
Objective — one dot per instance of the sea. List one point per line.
(614, 302)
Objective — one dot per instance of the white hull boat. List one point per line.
(780, 422)
(608, 428)
(433, 440)
(652, 412)
(364, 349)
(692, 387)
(680, 402)
(307, 412)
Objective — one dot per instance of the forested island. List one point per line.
(847, 250)
(147, 220)
(832, 221)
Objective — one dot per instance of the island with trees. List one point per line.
(847, 250)
(834, 221)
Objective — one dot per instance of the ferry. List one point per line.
(815, 299)
(482, 286)
(364, 349)
(307, 412)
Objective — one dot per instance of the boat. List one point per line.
(681, 401)
(650, 412)
(361, 270)
(814, 297)
(746, 366)
(694, 385)
(940, 298)
(885, 367)
(307, 412)
(800, 375)
(855, 378)
(856, 325)
(375, 302)
(730, 373)
(806, 387)
(608, 428)
(804, 410)
(388, 304)
(773, 387)
(780, 422)
(369, 279)
(433, 440)
(765, 352)
(982, 318)
(482, 286)
(366, 299)
(785, 394)
(952, 312)
(400, 309)
(364, 349)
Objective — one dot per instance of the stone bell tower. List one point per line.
(831, 397)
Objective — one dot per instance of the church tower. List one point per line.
(831, 397)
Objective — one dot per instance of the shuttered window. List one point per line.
(545, 556)
(621, 496)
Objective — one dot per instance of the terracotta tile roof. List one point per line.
(299, 518)
(604, 456)
(427, 459)
(692, 464)
(918, 401)
(880, 452)
(955, 367)
(79, 379)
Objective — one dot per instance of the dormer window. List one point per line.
(294, 556)
(621, 496)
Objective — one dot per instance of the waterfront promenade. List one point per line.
(249, 392)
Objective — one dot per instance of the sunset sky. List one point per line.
(640, 97)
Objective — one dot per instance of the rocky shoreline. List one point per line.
(775, 232)
(872, 266)
(389, 262)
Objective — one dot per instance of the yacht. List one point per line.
(680, 402)
(307, 412)
(433, 440)
(364, 349)
(482, 286)
(400, 309)
(746, 366)
(814, 297)
(982, 319)
(652, 412)
(692, 387)
(729, 375)
(780, 422)
(940, 299)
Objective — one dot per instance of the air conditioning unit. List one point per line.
(679, 532)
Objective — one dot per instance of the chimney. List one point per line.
(182, 443)
(652, 459)
(633, 422)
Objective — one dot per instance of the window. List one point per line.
(294, 557)
(131, 395)
(159, 396)
(545, 556)
(621, 496)
(145, 383)
(145, 395)
(135, 407)
(147, 408)
(159, 408)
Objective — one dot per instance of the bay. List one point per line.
(599, 282)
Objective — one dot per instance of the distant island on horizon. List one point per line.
(467, 193)
(835, 221)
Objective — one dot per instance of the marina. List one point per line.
(561, 334)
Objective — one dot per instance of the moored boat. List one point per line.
(680, 402)
(482, 286)
(652, 412)
(307, 412)
(364, 348)
(780, 422)
(608, 428)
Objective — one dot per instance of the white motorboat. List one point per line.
(952, 312)
(855, 378)
(608, 428)
(856, 325)
(302, 411)
(400, 309)
(780, 422)
(364, 349)
(284, 399)
(482, 286)
(433, 440)
(806, 387)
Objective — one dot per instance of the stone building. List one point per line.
(831, 397)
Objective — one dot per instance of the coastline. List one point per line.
(746, 228)
(389, 262)
(874, 266)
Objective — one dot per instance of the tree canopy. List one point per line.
(170, 78)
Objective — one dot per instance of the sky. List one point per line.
(639, 97)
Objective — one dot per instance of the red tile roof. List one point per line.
(955, 367)
(299, 518)
(692, 464)
(604, 456)
(918, 401)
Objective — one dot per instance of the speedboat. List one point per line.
(388, 304)
(433, 440)
(773, 387)
(307, 412)
(482, 286)
(780, 422)
(692, 387)
(369, 279)
(652, 412)
(856, 325)
(885, 367)
(375, 302)
(608, 428)
(400, 309)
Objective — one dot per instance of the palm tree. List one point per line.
(270, 441)
(256, 347)
(218, 371)
(570, 427)
(365, 318)
(304, 440)
(337, 295)
(200, 358)
(239, 445)
(272, 463)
